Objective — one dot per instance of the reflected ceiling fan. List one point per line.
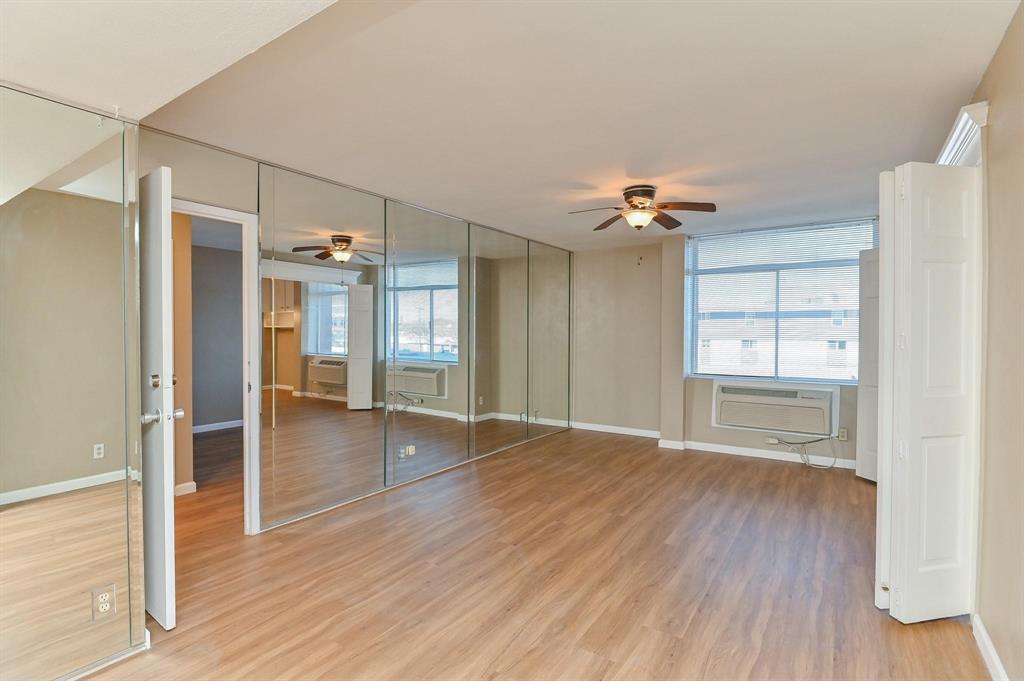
(640, 209)
(340, 249)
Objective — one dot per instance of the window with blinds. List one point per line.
(777, 303)
(424, 300)
(324, 319)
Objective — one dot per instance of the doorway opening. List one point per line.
(216, 338)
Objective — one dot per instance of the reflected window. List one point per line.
(324, 319)
(425, 310)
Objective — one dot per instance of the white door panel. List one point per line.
(157, 364)
(360, 346)
(936, 392)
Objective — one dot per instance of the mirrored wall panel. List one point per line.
(500, 276)
(427, 342)
(550, 282)
(65, 492)
(322, 394)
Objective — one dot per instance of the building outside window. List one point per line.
(777, 303)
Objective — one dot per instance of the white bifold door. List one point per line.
(930, 394)
(157, 371)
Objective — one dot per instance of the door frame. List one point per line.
(251, 341)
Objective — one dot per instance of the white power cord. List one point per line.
(800, 449)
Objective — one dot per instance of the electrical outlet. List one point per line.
(410, 450)
(104, 601)
(480, 400)
(98, 451)
(844, 435)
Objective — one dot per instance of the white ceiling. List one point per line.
(133, 55)
(514, 113)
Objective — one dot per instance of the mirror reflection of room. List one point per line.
(427, 303)
(323, 405)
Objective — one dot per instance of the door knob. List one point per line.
(151, 417)
(179, 414)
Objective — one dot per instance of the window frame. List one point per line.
(431, 288)
(691, 313)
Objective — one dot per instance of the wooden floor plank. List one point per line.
(580, 556)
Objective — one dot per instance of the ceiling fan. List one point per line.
(640, 209)
(340, 249)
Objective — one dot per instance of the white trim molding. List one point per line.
(279, 386)
(773, 454)
(185, 488)
(319, 396)
(296, 271)
(60, 487)
(988, 650)
(223, 425)
(963, 145)
(618, 430)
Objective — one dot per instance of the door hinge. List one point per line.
(903, 190)
(897, 600)
(901, 341)
(248, 387)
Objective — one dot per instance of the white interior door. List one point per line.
(157, 364)
(360, 346)
(867, 367)
(935, 391)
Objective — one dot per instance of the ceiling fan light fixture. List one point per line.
(341, 256)
(638, 218)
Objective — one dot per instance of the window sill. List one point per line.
(768, 379)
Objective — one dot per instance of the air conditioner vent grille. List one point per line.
(761, 392)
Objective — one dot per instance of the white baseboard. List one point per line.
(185, 488)
(222, 425)
(618, 430)
(988, 651)
(671, 444)
(320, 396)
(60, 487)
(756, 453)
(279, 386)
(378, 405)
(413, 409)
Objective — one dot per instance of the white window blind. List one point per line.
(324, 319)
(777, 303)
(424, 299)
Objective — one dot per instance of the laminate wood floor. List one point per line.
(54, 551)
(319, 453)
(579, 556)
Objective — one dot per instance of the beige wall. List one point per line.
(181, 226)
(216, 335)
(62, 346)
(1001, 557)
(199, 173)
(628, 351)
(617, 337)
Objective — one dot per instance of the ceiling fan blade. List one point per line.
(366, 250)
(323, 256)
(587, 210)
(300, 249)
(687, 205)
(666, 220)
(607, 223)
(359, 254)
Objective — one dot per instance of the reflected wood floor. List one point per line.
(579, 556)
(319, 453)
(54, 551)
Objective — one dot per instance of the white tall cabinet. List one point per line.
(929, 389)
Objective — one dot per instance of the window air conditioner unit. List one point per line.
(328, 371)
(786, 408)
(427, 381)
